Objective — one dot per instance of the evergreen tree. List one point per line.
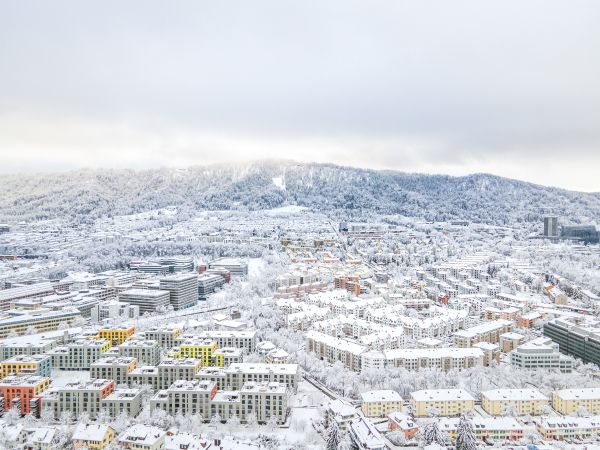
(333, 436)
(433, 434)
(465, 435)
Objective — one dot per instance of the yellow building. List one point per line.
(380, 403)
(26, 364)
(93, 436)
(519, 402)
(441, 402)
(203, 349)
(568, 401)
(116, 335)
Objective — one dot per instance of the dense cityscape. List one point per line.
(283, 328)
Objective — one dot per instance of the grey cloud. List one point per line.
(438, 81)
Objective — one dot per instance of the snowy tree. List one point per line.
(66, 418)
(251, 420)
(215, 419)
(333, 436)
(12, 416)
(581, 412)
(433, 434)
(465, 434)
(272, 423)
(345, 443)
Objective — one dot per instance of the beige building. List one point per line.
(380, 403)
(143, 437)
(485, 332)
(519, 402)
(441, 402)
(568, 401)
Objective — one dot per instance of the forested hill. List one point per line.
(88, 194)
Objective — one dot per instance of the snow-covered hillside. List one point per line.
(85, 195)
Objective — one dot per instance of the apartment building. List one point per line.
(485, 332)
(200, 348)
(380, 403)
(568, 401)
(239, 374)
(40, 365)
(414, 359)
(165, 336)
(183, 289)
(171, 370)
(113, 368)
(77, 397)
(520, 402)
(441, 402)
(265, 400)
(32, 345)
(332, 349)
(116, 335)
(228, 355)
(541, 353)
(78, 355)
(147, 300)
(123, 401)
(147, 352)
(246, 340)
(22, 392)
(187, 397)
(487, 429)
(144, 376)
(567, 427)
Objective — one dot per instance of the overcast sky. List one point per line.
(506, 87)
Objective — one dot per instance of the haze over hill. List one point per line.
(344, 191)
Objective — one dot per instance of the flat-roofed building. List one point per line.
(541, 353)
(265, 400)
(127, 401)
(22, 392)
(485, 332)
(240, 373)
(42, 320)
(147, 352)
(173, 369)
(235, 266)
(113, 368)
(183, 289)
(165, 335)
(40, 365)
(187, 397)
(147, 300)
(245, 340)
(144, 376)
(78, 355)
(9, 296)
(77, 397)
(116, 335)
